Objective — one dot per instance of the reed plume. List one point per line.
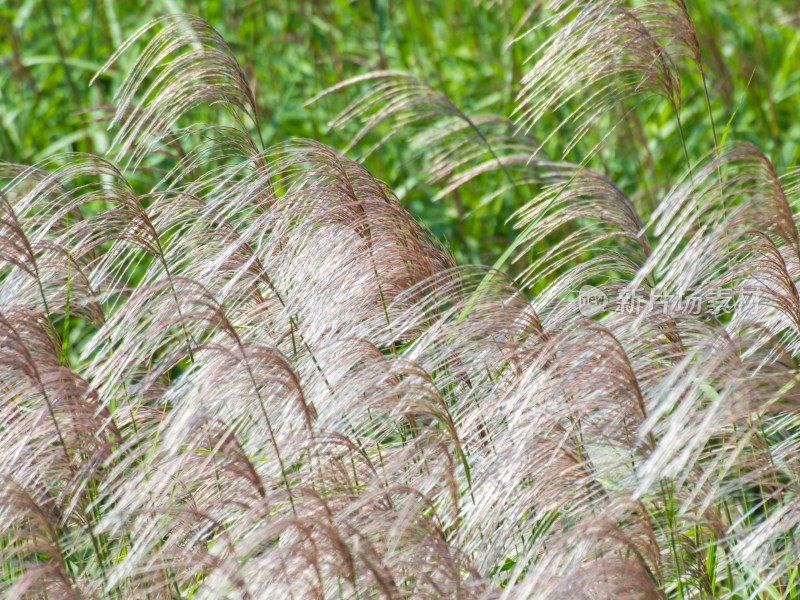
(285, 386)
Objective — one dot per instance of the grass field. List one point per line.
(292, 51)
(295, 299)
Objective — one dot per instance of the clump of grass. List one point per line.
(236, 371)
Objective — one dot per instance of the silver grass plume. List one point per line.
(289, 389)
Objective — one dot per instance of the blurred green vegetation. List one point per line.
(292, 50)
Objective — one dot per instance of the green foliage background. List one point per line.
(292, 50)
